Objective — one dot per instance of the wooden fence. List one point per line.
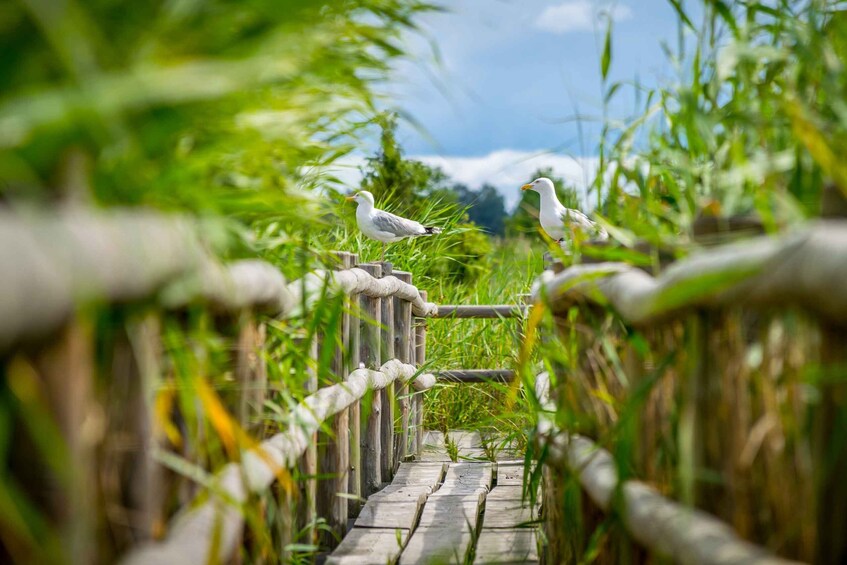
(345, 439)
(735, 360)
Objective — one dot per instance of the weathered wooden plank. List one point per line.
(369, 546)
(445, 531)
(392, 511)
(437, 545)
(458, 511)
(501, 513)
(507, 492)
(401, 492)
(467, 474)
(480, 311)
(507, 546)
(509, 473)
(419, 474)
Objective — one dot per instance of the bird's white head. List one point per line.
(362, 197)
(541, 185)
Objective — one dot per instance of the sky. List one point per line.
(494, 86)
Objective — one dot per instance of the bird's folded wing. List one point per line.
(400, 227)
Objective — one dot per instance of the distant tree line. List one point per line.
(407, 183)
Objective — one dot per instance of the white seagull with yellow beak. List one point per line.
(559, 221)
(384, 226)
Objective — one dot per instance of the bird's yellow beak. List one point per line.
(526, 187)
(350, 198)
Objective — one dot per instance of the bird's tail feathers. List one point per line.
(431, 230)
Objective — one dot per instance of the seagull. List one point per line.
(557, 220)
(383, 226)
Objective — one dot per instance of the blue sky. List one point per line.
(512, 75)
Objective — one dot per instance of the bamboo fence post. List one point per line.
(136, 487)
(354, 487)
(420, 360)
(66, 367)
(414, 396)
(308, 466)
(403, 352)
(388, 393)
(251, 371)
(370, 356)
(334, 447)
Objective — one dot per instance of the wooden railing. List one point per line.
(716, 335)
(55, 266)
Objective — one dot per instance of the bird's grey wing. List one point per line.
(400, 227)
(585, 223)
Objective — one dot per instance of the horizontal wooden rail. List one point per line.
(682, 533)
(476, 376)
(53, 263)
(210, 531)
(807, 269)
(481, 311)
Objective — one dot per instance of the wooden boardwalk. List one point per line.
(440, 511)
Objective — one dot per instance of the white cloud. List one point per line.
(578, 15)
(508, 169)
(505, 169)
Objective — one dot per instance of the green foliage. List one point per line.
(486, 207)
(524, 219)
(753, 126)
(391, 177)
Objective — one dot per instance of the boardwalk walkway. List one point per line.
(440, 511)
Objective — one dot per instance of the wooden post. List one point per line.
(414, 397)
(251, 372)
(334, 447)
(66, 368)
(420, 359)
(308, 467)
(388, 397)
(372, 417)
(403, 352)
(354, 487)
(830, 445)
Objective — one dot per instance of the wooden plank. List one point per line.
(476, 376)
(419, 474)
(455, 512)
(437, 545)
(445, 532)
(466, 478)
(401, 492)
(371, 439)
(481, 311)
(508, 492)
(388, 396)
(510, 473)
(369, 546)
(500, 513)
(393, 511)
(506, 546)
(402, 349)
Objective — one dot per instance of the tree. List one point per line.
(525, 217)
(486, 207)
(388, 176)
